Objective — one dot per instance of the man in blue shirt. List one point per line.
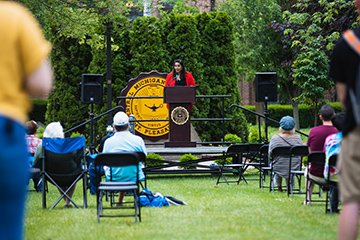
(123, 141)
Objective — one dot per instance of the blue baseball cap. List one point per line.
(287, 123)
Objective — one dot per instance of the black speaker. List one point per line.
(91, 88)
(265, 87)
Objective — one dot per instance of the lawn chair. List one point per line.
(296, 151)
(317, 158)
(63, 165)
(110, 187)
(236, 151)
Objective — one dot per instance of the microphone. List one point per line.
(176, 77)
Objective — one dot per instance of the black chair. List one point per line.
(236, 152)
(110, 187)
(278, 151)
(63, 165)
(332, 163)
(255, 160)
(316, 158)
(296, 151)
(266, 169)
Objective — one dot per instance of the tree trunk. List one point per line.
(147, 8)
(295, 106)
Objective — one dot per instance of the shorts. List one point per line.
(349, 167)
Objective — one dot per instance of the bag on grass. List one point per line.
(175, 201)
(149, 199)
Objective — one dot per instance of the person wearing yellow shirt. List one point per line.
(25, 73)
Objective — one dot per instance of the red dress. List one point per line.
(170, 81)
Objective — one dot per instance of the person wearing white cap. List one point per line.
(123, 141)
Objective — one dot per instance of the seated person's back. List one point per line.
(123, 141)
(286, 138)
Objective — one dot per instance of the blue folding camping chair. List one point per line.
(63, 165)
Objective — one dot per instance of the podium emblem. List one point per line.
(180, 115)
(148, 85)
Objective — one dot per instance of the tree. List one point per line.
(255, 43)
(309, 30)
(64, 102)
(219, 78)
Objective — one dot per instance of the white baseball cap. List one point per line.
(120, 119)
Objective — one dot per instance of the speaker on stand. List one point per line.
(266, 91)
(91, 93)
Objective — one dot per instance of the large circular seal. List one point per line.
(180, 115)
(148, 110)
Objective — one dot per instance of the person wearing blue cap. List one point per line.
(286, 137)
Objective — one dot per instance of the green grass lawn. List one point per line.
(214, 212)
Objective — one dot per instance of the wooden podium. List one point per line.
(180, 99)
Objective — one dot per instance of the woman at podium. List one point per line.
(179, 76)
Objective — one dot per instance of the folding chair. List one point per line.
(332, 163)
(255, 159)
(278, 151)
(236, 151)
(129, 159)
(296, 151)
(264, 170)
(317, 158)
(63, 165)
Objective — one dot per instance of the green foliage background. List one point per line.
(203, 41)
(277, 111)
(293, 38)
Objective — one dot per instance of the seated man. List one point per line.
(315, 143)
(122, 141)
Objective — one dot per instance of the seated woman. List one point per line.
(53, 130)
(286, 137)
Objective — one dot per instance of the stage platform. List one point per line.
(206, 156)
(185, 150)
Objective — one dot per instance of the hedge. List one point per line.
(204, 42)
(277, 111)
(38, 111)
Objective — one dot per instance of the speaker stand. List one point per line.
(266, 114)
(92, 129)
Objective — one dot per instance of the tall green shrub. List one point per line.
(120, 70)
(147, 48)
(70, 59)
(182, 41)
(219, 78)
(38, 110)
